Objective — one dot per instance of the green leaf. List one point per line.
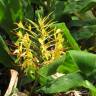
(66, 62)
(15, 8)
(74, 61)
(85, 61)
(90, 86)
(63, 83)
(43, 77)
(68, 66)
(5, 57)
(80, 61)
(1, 11)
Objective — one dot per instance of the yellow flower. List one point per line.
(20, 25)
(58, 44)
(26, 41)
(29, 27)
(29, 54)
(41, 41)
(19, 34)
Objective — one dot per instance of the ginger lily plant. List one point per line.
(38, 43)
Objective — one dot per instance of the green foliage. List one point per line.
(77, 58)
(5, 57)
(83, 13)
(45, 47)
(83, 62)
(13, 11)
(79, 6)
(69, 81)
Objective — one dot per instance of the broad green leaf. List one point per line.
(82, 62)
(63, 83)
(77, 60)
(43, 74)
(68, 66)
(66, 62)
(52, 68)
(61, 64)
(85, 61)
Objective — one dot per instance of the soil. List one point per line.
(4, 79)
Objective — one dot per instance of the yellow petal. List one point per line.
(20, 25)
(29, 27)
